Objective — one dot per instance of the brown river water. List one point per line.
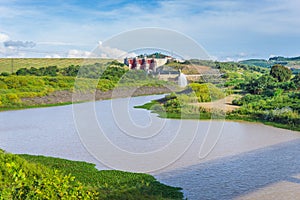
(208, 159)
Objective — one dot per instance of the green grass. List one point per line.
(176, 115)
(22, 107)
(249, 118)
(111, 184)
(9, 64)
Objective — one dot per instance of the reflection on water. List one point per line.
(250, 175)
(250, 161)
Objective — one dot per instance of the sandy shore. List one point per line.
(222, 104)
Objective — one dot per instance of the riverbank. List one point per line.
(65, 97)
(209, 113)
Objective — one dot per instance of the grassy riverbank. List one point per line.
(39, 87)
(183, 110)
(215, 116)
(39, 177)
(64, 97)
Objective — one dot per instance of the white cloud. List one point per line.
(109, 52)
(75, 53)
(3, 37)
(52, 56)
(100, 52)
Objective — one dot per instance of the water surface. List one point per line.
(249, 161)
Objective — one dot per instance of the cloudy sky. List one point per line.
(226, 29)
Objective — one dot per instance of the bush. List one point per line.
(281, 73)
(43, 71)
(4, 74)
(206, 92)
(105, 85)
(13, 98)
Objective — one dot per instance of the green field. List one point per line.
(13, 64)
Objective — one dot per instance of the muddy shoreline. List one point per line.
(65, 96)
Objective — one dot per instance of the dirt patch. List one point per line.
(222, 104)
(195, 69)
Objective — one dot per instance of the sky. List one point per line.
(226, 29)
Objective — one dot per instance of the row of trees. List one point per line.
(43, 71)
(87, 71)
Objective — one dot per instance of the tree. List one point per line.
(281, 73)
(260, 85)
(22, 72)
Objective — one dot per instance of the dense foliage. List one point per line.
(181, 105)
(281, 73)
(43, 71)
(206, 92)
(23, 180)
(96, 70)
(269, 96)
(39, 177)
(111, 184)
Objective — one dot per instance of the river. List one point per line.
(237, 160)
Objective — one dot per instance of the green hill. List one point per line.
(13, 64)
(293, 62)
(257, 62)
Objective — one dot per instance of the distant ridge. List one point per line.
(292, 62)
(281, 58)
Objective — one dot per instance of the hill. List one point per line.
(293, 62)
(13, 64)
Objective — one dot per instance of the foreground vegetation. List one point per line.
(271, 96)
(39, 177)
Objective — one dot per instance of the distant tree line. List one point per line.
(87, 71)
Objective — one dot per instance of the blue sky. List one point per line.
(226, 29)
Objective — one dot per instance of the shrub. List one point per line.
(13, 98)
(4, 74)
(206, 92)
(281, 73)
(105, 85)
